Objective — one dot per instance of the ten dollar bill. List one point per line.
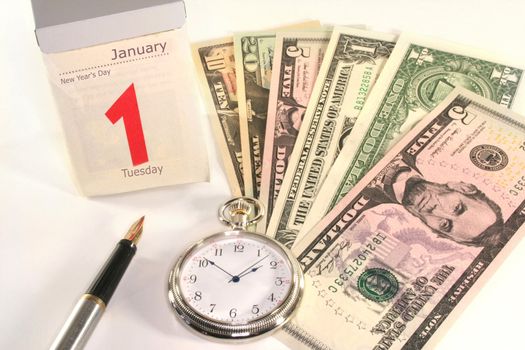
(216, 70)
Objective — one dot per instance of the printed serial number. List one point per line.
(358, 261)
(363, 89)
(518, 186)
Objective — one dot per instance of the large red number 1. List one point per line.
(126, 107)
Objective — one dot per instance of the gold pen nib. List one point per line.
(135, 231)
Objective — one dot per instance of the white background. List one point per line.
(53, 241)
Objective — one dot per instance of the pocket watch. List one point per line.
(236, 284)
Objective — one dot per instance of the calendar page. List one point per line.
(130, 113)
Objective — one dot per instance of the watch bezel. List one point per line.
(222, 329)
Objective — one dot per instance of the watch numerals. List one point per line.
(217, 281)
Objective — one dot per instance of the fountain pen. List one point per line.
(89, 309)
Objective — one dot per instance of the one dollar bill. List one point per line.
(387, 267)
(419, 74)
(351, 64)
(215, 62)
(298, 58)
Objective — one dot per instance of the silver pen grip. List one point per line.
(80, 324)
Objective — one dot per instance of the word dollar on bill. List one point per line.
(298, 57)
(419, 74)
(254, 54)
(387, 267)
(352, 62)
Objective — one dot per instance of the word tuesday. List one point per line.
(149, 170)
(138, 51)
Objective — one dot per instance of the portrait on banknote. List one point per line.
(456, 210)
(297, 60)
(353, 60)
(391, 261)
(420, 73)
(288, 120)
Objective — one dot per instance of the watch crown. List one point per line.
(241, 212)
(240, 207)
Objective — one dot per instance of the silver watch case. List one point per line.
(223, 330)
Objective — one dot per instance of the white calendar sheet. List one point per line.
(129, 113)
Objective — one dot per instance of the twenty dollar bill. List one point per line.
(387, 267)
(254, 54)
(352, 62)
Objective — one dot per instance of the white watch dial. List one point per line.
(236, 279)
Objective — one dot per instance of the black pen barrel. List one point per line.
(109, 276)
(78, 327)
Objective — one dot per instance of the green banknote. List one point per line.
(254, 54)
(298, 57)
(419, 75)
(216, 70)
(395, 261)
(352, 61)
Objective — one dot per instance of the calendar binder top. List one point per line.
(63, 25)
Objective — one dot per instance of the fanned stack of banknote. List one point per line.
(390, 165)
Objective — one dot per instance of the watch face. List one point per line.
(235, 279)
